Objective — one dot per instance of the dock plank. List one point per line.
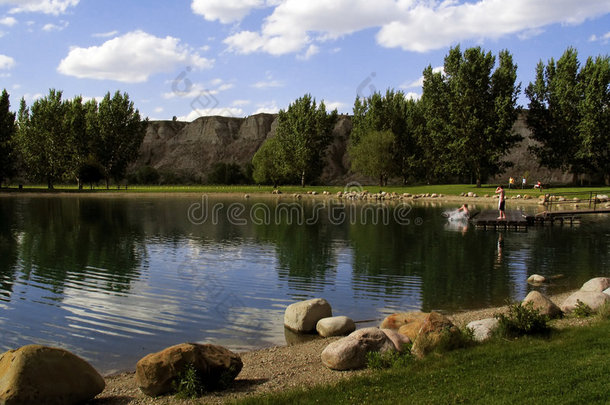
(489, 219)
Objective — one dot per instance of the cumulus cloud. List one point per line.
(225, 11)
(268, 108)
(413, 25)
(105, 34)
(207, 112)
(55, 27)
(184, 88)
(8, 21)
(6, 62)
(131, 58)
(54, 7)
(332, 105)
(603, 38)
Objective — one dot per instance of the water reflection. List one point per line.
(114, 278)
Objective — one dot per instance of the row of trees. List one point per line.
(569, 114)
(461, 127)
(70, 140)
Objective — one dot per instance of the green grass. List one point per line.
(447, 189)
(569, 367)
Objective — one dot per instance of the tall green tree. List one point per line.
(303, 133)
(476, 109)
(7, 138)
(594, 110)
(44, 138)
(121, 131)
(80, 122)
(395, 113)
(267, 163)
(373, 155)
(553, 115)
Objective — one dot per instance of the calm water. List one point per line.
(115, 278)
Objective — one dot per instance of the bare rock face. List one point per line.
(43, 375)
(544, 305)
(303, 316)
(335, 326)
(350, 352)
(156, 372)
(597, 284)
(435, 328)
(594, 300)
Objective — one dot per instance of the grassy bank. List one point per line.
(446, 189)
(570, 366)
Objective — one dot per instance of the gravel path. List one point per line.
(276, 369)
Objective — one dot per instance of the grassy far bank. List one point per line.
(446, 189)
(570, 366)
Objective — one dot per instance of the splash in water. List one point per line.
(456, 215)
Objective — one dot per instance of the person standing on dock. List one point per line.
(501, 202)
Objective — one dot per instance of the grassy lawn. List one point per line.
(570, 367)
(447, 189)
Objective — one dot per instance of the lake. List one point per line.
(113, 278)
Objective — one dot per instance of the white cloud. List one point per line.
(604, 38)
(6, 62)
(54, 27)
(330, 106)
(420, 82)
(54, 7)
(412, 96)
(311, 51)
(413, 25)
(131, 58)
(266, 84)
(207, 112)
(8, 21)
(184, 88)
(240, 103)
(105, 34)
(158, 110)
(30, 98)
(268, 108)
(225, 11)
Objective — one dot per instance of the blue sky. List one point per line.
(239, 57)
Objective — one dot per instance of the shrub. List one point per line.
(388, 359)
(189, 383)
(582, 310)
(521, 319)
(603, 312)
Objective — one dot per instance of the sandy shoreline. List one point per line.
(275, 369)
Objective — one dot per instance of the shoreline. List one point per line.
(280, 368)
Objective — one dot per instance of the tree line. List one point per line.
(56, 140)
(460, 129)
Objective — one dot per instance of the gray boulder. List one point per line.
(350, 352)
(303, 316)
(483, 328)
(335, 326)
(44, 375)
(543, 304)
(156, 372)
(593, 299)
(597, 284)
(400, 341)
(607, 291)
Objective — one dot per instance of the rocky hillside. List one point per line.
(187, 151)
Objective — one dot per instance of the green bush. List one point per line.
(582, 310)
(189, 383)
(388, 359)
(227, 174)
(521, 319)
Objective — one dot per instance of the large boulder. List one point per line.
(594, 300)
(597, 284)
(156, 373)
(606, 291)
(544, 305)
(335, 326)
(44, 375)
(395, 321)
(483, 329)
(436, 329)
(401, 342)
(350, 352)
(536, 279)
(303, 316)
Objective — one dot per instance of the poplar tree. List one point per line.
(7, 138)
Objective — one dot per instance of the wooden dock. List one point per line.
(565, 216)
(515, 220)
